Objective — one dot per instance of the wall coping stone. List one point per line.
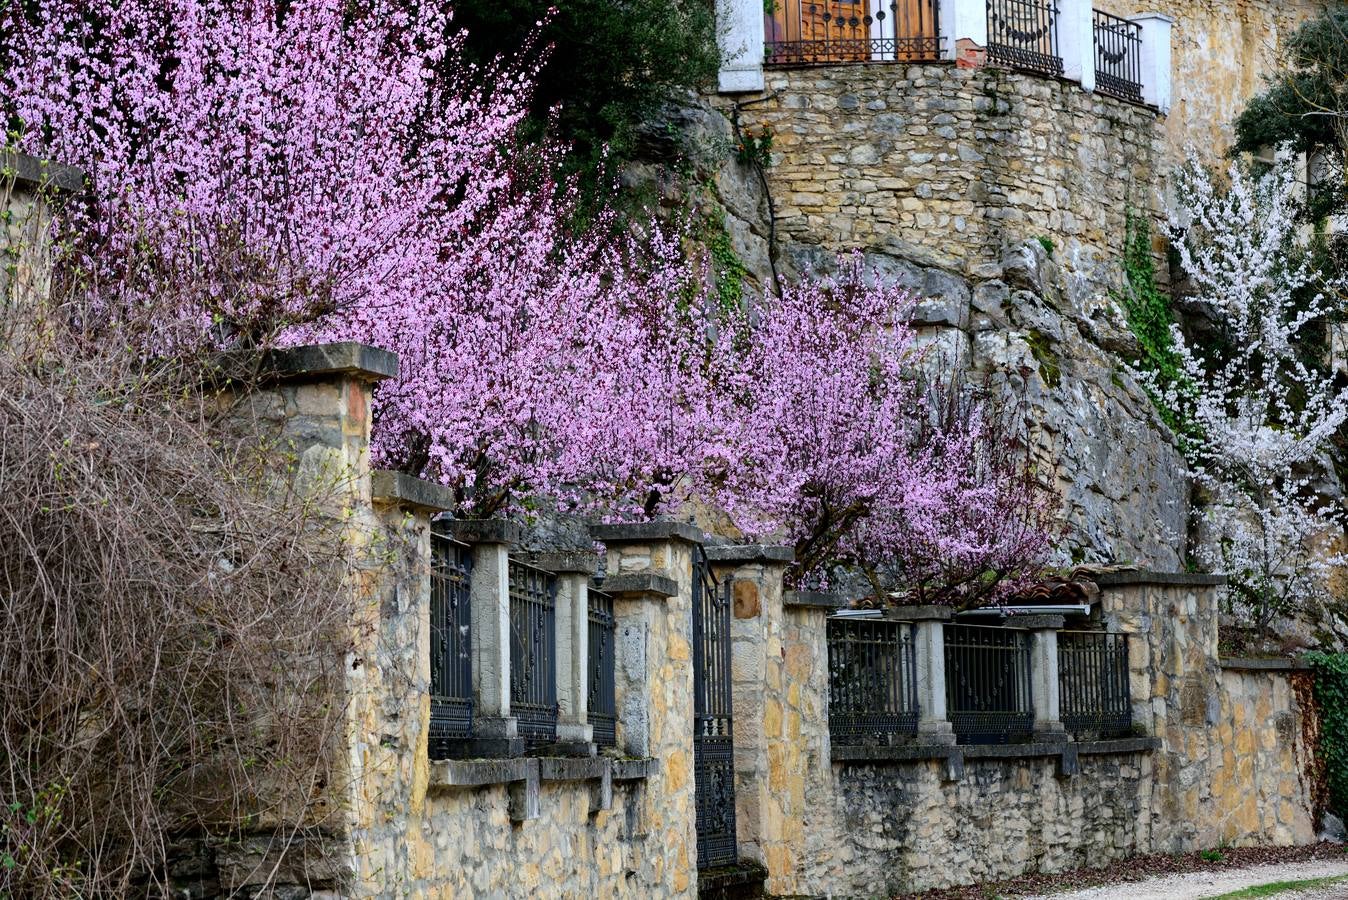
(29, 170)
(1117, 745)
(643, 532)
(398, 487)
(307, 363)
(560, 768)
(901, 753)
(641, 584)
(480, 772)
(584, 562)
(484, 531)
(812, 600)
(923, 613)
(1035, 622)
(1272, 664)
(1144, 576)
(635, 769)
(921, 752)
(750, 553)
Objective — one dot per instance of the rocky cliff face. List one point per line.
(1035, 310)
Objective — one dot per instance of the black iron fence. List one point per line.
(533, 652)
(602, 700)
(713, 718)
(872, 680)
(1023, 34)
(1094, 699)
(987, 679)
(451, 643)
(811, 32)
(1118, 57)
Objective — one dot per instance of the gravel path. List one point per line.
(1201, 885)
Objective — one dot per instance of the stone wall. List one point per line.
(1221, 51)
(28, 189)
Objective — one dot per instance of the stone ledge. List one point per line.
(39, 173)
(909, 753)
(1142, 576)
(1035, 622)
(743, 879)
(812, 600)
(635, 769)
(555, 768)
(750, 553)
(958, 754)
(1117, 745)
(484, 531)
(639, 532)
(927, 613)
(584, 562)
(1257, 664)
(640, 586)
(481, 772)
(306, 363)
(404, 490)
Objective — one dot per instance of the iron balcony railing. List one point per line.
(602, 700)
(451, 643)
(813, 32)
(533, 652)
(1094, 699)
(1023, 34)
(872, 681)
(987, 678)
(1118, 57)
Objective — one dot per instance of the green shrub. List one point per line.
(1331, 695)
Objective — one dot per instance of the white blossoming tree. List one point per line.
(1259, 407)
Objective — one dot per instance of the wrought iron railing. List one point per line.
(1094, 699)
(451, 643)
(872, 681)
(987, 679)
(1118, 57)
(713, 718)
(811, 32)
(602, 700)
(1023, 34)
(533, 652)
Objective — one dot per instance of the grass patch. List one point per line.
(1280, 887)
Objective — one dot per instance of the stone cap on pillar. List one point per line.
(647, 532)
(639, 585)
(568, 562)
(401, 489)
(923, 613)
(1035, 622)
(484, 531)
(359, 361)
(743, 554)
(40, 173)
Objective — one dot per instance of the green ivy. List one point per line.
(728, 270)
(1331, 695)
(1147, 310)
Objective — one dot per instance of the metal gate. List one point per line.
(713, 743)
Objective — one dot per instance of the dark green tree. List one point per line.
(608, 62)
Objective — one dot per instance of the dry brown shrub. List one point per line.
(171, 623)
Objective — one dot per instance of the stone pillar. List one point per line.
(649, 573)
(964, 31)
(933, 722)
(1076, 41)
(1155, 59)
(1044, 690)
(739, 35)
(574, 571)
(29, 188)
(758, 689)
(495, 730)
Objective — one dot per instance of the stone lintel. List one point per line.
(927, 613)
(484, 531)
(1276, 664)
(646, 532)
(401, 489)
(640, 585)
(40, 173)
(743, 554)
(1143, 576)
(1036, 622)
(812, 600)
(310, 363)
(635, 769)
(582, 562)
(580, 769)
